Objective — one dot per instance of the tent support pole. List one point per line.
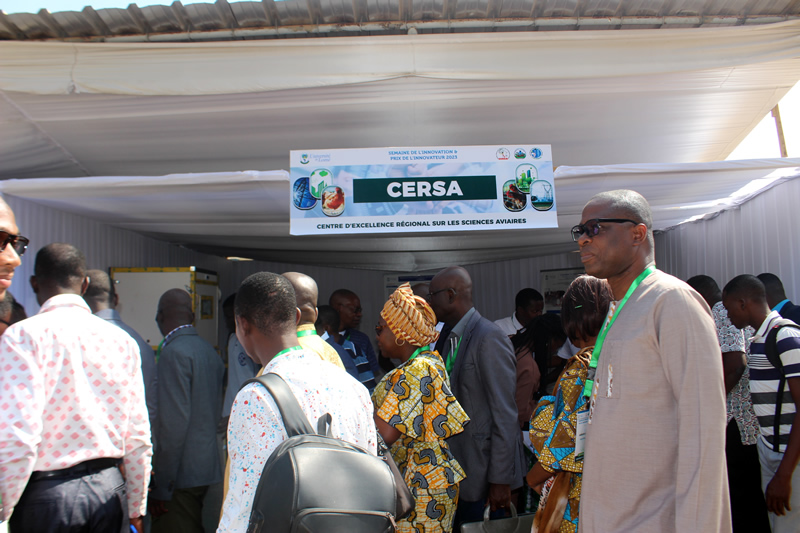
(776, 113)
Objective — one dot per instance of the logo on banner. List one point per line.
(536, 153)
(319, 180)
(542, 195)
(519, 153)
(301, 195)
(503, 154)
(304, 159)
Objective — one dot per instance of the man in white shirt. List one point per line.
(528, 304)
(266, 325)
(73, 410)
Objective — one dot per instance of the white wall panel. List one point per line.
(762, 235)
(103, 245)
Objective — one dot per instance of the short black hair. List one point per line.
(10, 307)
(17, 312)
(61, 264)
(746, 286)
(6, 304)
(706, 287)
(327, 316)
(773, 285)
(101, 287)
(229, 301)
(267, 301)
(584, 307)
(527, 296)
(537, 337)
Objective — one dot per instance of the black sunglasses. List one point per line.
(18, 242)
(592, 227)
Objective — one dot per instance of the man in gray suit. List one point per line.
(189, 408)
(103, 299)
(482, 368)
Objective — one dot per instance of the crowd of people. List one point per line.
(650, 403)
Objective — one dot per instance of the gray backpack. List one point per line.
(315, 483)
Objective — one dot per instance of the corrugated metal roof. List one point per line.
(271, 19)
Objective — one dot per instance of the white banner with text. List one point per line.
(409, 190)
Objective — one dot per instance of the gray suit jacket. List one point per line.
(190, 374)
(148, 366)
(484, 382)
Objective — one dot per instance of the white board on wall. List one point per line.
(139, 290)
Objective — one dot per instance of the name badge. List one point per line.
(580, 433)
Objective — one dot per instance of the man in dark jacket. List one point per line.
(482, 368)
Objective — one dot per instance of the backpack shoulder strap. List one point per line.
(771, 342)
(294, 419)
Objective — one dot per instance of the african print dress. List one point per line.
(415, 399)
(553, 437)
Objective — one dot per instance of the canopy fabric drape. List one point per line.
(598, 97)
(247, 213)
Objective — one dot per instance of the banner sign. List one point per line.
(409, 190)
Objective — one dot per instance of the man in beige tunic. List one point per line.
(655, 444)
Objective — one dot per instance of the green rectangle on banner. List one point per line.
(376, 190)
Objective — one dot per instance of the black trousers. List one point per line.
(748, 508)
(80, 499)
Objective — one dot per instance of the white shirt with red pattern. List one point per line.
(71, 390)
(256, 427)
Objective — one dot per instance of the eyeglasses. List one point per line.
(379, 329)
(18, 242)
(430, 295)
(592, 227)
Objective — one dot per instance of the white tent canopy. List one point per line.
(598, 97)
(247, 213)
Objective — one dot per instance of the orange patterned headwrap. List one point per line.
(410, 317)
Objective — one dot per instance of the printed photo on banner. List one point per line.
(421, 189)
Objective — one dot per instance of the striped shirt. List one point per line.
(764, 380)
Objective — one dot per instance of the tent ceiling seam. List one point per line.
(44, 134)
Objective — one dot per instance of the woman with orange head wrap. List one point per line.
(415, 411)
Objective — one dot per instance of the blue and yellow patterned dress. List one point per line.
(552, 434)
(415, 399)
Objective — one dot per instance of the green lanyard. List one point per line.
(287, 350)
(306, 333)
(451, 358)
(158, 350)
(417, 352)
(587, 389)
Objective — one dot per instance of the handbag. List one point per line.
(513, 524)
(405, 500)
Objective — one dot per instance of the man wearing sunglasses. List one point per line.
(12, 246)
(655, 437)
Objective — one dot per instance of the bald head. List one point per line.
(451, 294)
(100, 292)
(421, 289)
(306, 293)
(458, 278)
(174, 309)
(624, 203)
